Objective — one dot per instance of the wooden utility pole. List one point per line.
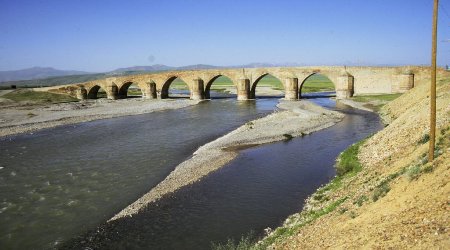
(433, 84)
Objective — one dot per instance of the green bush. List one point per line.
(425, 138)
(381, 191)
(246, 242)
(413, 172)
(348, 160)
(360, 201)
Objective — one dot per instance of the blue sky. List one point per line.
(96, 35)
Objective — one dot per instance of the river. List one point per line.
(62, 182)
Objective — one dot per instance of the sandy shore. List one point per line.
(354, 104)
(294, 119)
(26, 117)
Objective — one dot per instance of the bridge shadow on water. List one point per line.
(314, 95)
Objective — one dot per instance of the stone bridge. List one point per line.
(348, 81)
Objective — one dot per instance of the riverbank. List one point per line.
(391, 197)
(24, 117)
(293, 119)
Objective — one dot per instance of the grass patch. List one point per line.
(306, 217)
(317, 83)
(380, 191)
(375, 102)
(413, 172)
(360, 201)
(246, 242)
(37, 96)
(348, 160)
(368, 98)
(425, 138)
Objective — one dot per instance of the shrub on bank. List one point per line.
(348, 160)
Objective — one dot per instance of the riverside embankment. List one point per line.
(393, 198)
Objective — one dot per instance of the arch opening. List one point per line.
(219, 86)
(130, 90)
(96, 92)
(269, 86)
(317, 84)
(174, 87)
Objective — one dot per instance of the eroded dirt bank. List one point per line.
(26, 117)
(293, 119)
(397, 200)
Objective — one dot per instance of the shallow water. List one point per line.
(258, 189)
(60, 182)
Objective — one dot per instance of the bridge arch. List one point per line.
(130, 89)
(165, 90)
(96, 92)
(316, 82)
(277, 83)
(212, 80)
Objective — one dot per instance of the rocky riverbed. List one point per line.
(25, 117)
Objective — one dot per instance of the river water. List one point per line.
(62, 182)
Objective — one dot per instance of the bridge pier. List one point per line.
(344, 86)
(149, 92)
(164, 94)
(243, 89)
(81, 93)
(405, 83)
(112, 92)
(291, 89)
(197, 90)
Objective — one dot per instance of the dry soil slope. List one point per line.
(397, 200)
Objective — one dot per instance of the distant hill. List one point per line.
(36, 73)
(152, 68)
(161, 67)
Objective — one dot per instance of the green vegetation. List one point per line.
(246, 242)
(347, 166)
(222, 81)
(425, 138)
(380, 191)
(348, 160)
(360, 201)
(178, 84)
(287, 137)
(317, 83)
(62, 80)
(383, 97)
(53, 81)
(36, 96)
(305, 218)
(413, 172)
(270, 81)
(375, 102)
(314, 83)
